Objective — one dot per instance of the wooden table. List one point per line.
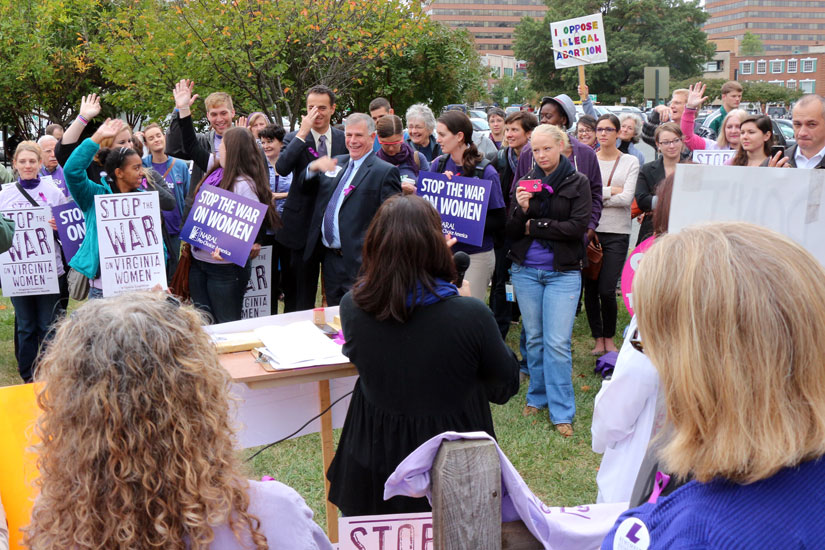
(243, 369)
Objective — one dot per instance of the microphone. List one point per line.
(462, 262)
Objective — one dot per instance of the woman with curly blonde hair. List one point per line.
(137, 450)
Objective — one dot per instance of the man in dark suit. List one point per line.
(809, 132)
(349, 188)
(315, 138)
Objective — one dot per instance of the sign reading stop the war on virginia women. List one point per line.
(29, 267)
(221, 219)
(462, 203)
(130, 241)
(578, 41)
(71, 227)
(258, 295)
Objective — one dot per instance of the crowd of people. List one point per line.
(341, 208)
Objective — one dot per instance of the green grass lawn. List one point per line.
(562, 472)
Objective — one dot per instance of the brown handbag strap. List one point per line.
(174, 159)
(615, 164)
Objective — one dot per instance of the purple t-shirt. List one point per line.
(538, 257)
(496, 201)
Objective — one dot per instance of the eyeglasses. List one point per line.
(671, 142)
(636, 341)
(607, 130)
(585, 131)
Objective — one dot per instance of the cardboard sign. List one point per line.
(130, 242)
(579, 41)
(29, 267)
(629, 271)
(71, 227)
(462, 203)
(386, 532)
(221, 219)
(713, 158)
(787, 200)
(258, 297)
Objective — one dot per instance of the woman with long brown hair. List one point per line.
(137, 450)
(216, 285)
(429, 360)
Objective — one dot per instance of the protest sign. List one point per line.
(787, 200)
(713, 158)
(629, 271)
(386, 532)
(29, 267)
(462, 203)
(578, 41)
(71, 227)
(258, 296)
(130, 241)
(221, 219)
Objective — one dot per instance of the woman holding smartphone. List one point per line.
(547, 226)
(755, 141)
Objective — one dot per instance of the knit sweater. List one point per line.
(616, 210)
(782, 511)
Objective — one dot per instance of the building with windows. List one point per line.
(805, 71)
(782, 25)
(490, 22)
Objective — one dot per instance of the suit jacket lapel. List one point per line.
(360, 174)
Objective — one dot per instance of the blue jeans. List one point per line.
(548, 300)
(218, 289)
(34, 315)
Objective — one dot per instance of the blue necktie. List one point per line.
(322, 146)
(329, 214)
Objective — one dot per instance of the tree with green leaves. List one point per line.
(639, 33)
(515, 88)
(751, 45)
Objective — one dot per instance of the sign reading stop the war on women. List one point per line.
(29, 267)
(130, 241)
(71, 227)
(579, 41)
(258, 295)
(221, 219)
(462, 203)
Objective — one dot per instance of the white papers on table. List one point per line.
(298, 345)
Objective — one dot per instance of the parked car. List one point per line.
(477, 113)
(480, 126)
(512, 109)
(455, 107)
(783, 127)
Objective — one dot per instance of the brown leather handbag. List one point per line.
(595, 257)
(179, 286)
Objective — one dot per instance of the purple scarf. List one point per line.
(404, 156)
(29, 184)
(214, 178)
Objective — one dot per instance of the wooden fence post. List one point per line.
(466, 483)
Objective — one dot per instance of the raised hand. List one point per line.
(109, 129)
(696, 96)
(584, 92)
(306, 122)
(184, 97)
(242, 122)
(89, 106)
(323, 164)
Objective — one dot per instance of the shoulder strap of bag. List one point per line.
(480, 167)
(615, 164)
(170, 168)
(26, 194)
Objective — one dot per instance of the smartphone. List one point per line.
(778, 149)
(534, 186)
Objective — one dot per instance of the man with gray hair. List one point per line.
(809, 132)
(51, 167)
(349, 188)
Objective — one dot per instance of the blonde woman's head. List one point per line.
(137, 450)
(733, 317)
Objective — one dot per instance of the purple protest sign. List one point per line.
(71, 227)
(462, 203)
(224, 220)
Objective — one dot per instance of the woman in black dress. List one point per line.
(430, 360)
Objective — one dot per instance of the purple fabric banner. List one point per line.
(462, 203)
(71, 227)
(221, 219)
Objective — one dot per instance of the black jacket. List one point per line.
(651, 174)
(373, 183)
(177, 146)
(570, 207)
(300, 200)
